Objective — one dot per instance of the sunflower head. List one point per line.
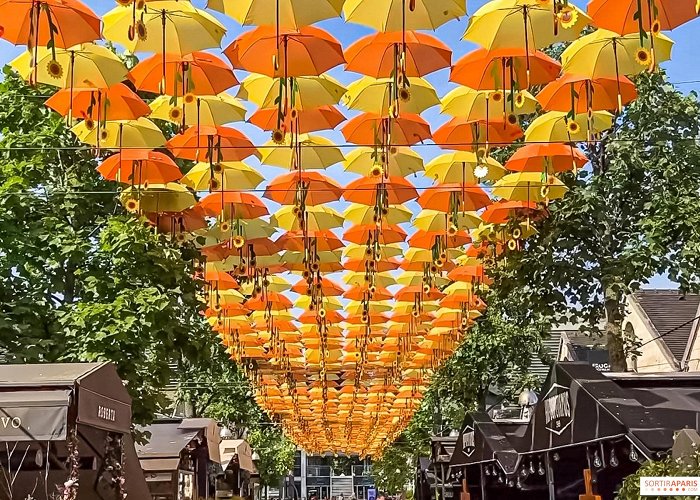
(315, 267)
(214, 184)
(104, 134)
(189, 98)
(90, 124)
(439, 263)
(376, 171)
(465, 322)
(132, 205)
(517, 233)
(372, 290)
(225, 227)
(175, 114)
(405, 94)
(238, 242)
(512, 119)
(426, 288)
(496, 96)
(218, 168)
(544, 192)
(656, 27)
(293, 114)
(643, 56)
(567, 17)
(433, 269)
(322, 313)
(452, 230)
(278, 136)
(573, 127)
(141, 30)
(414, 313)
(180, 238)
(54, 69)
(519, 100)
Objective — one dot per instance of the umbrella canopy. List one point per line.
(363, 214)
(82, 66)
(313, 188)
(557, 126)
(382, 95)
(233, 205)
(141, 133)
(225, 175)
(292, 14)
(398, 161)
(302, 93)
(165, 27)
(198, 73)
(117, 102)
(365, 191)
(624, 16)
(463, 167)
(307, 51)
(449, 198)
(464, 135)
(140, 166)
(398, 15)
(485, 105)
(311, 152)
(158, 198)
(502, 211)
(300, 122)
(581, 94)
(507, 68)
(375, 55)
(529, 187)
(315, 218)
(405, 130)
(212, 143)
(206, 111)
(57, 23)
(548, 158)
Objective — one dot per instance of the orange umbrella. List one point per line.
(372, 319)
(118, 102)
(484, 69)
(462, 299)
(308, 51)
(406, 130)
(416, 265)
(359, 265)
(379, 56)
(186, 221)
(220, 279)
(138, 166)
(362, 292)
(311, 317)
(325, 286)
(552, 158)
(581, 94)
(366, 189)
(325, 241)
(502, 211)
(269, 300)
(61, 23)
(313, 188)
(449, 197)
(427, 239)
(234, 205)
(198, 73)
(464, 135)
(623, 16)
(219, 144)
(409, 293)
(467, 273)
(298, 121)
(262, 246)
(362, 233)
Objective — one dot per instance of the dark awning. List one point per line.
(240, 449)
(34, 415)
(98, 393)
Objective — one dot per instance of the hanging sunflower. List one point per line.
(376, 171)
(175, 114)
(452, 230)
(189, 98)
(225, 227)
(131, 205)
(643, 56)
(238, 242)
(214, 184)
(519, 100)
(181, 238)
(405, 94)
(573, 127)
(656, 27)
(567, 17)
(496, 96)
(278, 136)
(90, 124)
(141, 30)
(124, 3)
(512, 119)
(54, 69)
(104, 134)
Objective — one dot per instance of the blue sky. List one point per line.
(683, 67)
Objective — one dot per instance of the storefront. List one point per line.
(588, 431)
(66, 427)
(238, 469)
(181, 459)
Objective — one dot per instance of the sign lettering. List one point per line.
(557, 409)
(10, 422)
(105, 413)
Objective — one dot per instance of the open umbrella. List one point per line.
(529, 187)
(463, 167)
(198, 73)
(505, 69)
(581, 94)
(559, 126)
(292, 14)
(432, 220)
(625, 17)
(502, 211)
(117, 102)
(233, 205)
(453, 198)
(141, 133)
(402, 15)
(283, 53)
(384, 95)
(406, 130)
(366, 190)
(311, 152)
(547, 158)
(225, 175)
(81, 66)
(303, 92)
(464, 135)
(157, 198)
(363, 214)
(315, 218)
(140, 166)
(298, 122)
(48, 23)
(212, 143)
(486, 105)
(398, 160)
(380, 55)
(310, 188)
(209, 111)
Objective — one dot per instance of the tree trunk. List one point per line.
(614, 307)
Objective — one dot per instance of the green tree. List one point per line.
(632, 216)
(80, 280)
(276, 453)
(395, 470)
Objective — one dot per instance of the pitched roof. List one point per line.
(671, 314)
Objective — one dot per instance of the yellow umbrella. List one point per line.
(605, 54)
(83, 66)
(359, 252)
(487, 105)
(415, 278)
(164, 26)
(402, 161)
(380, 95)
(248, 229)
(311, 152)
(530, 187)
(526, 24)
(464, 167)
(432, 220)
(141, 133)
(383, 279)
(158, 198)
(363, 214)
(328, 303)
(319, 218)
(557, 126)
(275, 284)
(308, 91)
(375, 306)
(323, 257)
(284, 13)
(226, 175)
(396, 15)
(203, 111)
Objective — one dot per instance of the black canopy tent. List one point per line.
(584, 420)
(445, 485)
(50, 412)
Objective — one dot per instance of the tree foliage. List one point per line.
(667, 467)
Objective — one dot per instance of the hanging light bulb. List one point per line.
(555, 456)
(633, 454)
(519, 484)
(532, 467)
(487, 470)
(597, 462)
(614, 462)
(540, 469)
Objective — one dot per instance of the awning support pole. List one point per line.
(550, 475)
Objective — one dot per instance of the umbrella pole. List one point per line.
(617, 76)
(72, 75)
(527, 46)
(652, 66)
(162, 80)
